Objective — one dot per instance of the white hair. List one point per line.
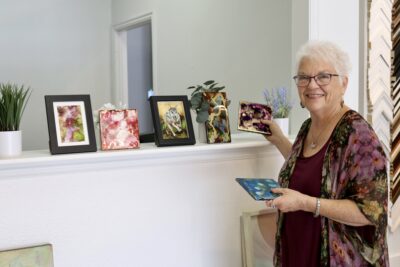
(327, 52)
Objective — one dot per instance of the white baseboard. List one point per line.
(394, 217)
(394, 260)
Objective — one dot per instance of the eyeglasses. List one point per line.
(320, 79)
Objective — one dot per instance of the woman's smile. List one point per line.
(314, 95)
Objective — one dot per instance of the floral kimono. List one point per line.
(354, 168)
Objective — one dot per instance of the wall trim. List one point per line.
(133, 22)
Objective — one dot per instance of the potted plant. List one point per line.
(13, 100)
(277, 99)
(199, 102)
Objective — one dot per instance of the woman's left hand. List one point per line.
(290, 200)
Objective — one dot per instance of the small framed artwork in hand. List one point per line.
(172, 120)
(251, 116)
(70, 124)
(259, 188)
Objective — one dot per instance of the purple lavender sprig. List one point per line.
(277, 99)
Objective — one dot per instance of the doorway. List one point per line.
(140, 75)
(133, 76)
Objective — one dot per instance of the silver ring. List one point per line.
(273, 206)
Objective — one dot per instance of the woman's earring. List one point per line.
(342, 103)
(302, 105)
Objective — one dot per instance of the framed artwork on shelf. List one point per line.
(37, 256)
(217, 124)
(172, 120)
(119, 129)
(70, 124)
(250, 116)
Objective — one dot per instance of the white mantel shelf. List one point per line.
(41, 161)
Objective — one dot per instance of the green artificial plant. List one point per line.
(13, 100)
(197, 101)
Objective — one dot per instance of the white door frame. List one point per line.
(119, 92)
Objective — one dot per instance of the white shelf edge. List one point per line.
(40, 161)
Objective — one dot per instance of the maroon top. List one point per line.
(301, 232)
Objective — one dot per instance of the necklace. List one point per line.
(314, 141)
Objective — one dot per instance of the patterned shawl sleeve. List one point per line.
(354, 168)
(357, 171)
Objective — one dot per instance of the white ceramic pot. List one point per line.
(202, 134)
(10, 144)
(283, 124)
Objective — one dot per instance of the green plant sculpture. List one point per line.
(13, 100)
(197, 101)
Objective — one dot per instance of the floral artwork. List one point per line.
(251, 116)
(217, 124)
(119, 129)
(71, 123)
(172, 120)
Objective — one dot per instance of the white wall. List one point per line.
(245, 46)
(338, 21)
(170, 207)
(300, 35)
(55, 47)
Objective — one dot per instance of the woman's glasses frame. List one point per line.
(321, 79)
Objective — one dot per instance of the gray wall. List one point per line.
(55, 47)
(63, 47)
(244, 45)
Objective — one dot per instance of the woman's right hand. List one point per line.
(277, 138)
(276, 133)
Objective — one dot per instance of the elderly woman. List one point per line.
(334, 195)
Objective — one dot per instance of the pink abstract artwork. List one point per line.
(119, 129)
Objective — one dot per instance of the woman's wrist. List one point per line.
(310, 204)
(317, 207)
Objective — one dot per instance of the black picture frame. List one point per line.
(77, 132)
(172, 134)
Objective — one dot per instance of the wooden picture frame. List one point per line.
(36, 256)
(258, 231)
(179, 129)
(70, 124)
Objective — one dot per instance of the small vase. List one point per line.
(10, 144)
(283, 123)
